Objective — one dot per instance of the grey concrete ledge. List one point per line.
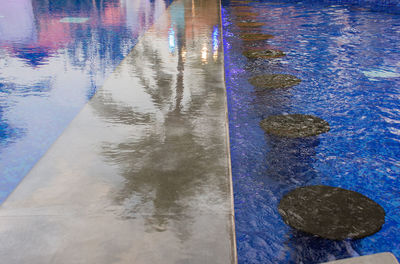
(381, 258)
(142, 174)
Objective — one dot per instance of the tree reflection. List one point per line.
(171, 169)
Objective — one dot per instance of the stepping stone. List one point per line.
(242, 7)
(331, 212)
(255, 36)
(265, 54)
(380, 258)
(250, 24)
(246, 14)
(294, 125)
(240, 2)
(274, 81)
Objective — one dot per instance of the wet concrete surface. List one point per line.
(142, 174)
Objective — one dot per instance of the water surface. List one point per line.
(348, 59)
(53, 57)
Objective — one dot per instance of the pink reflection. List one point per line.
(26, 29)
(113, 15)
(53, 34)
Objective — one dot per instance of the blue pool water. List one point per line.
(53, 56)
(348, 57)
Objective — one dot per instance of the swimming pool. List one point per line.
(53, 57)
(347, 57)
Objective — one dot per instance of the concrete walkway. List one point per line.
(142, 174)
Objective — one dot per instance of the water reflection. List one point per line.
(49, 68)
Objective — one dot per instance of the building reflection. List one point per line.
(50, 69)
(113, 25)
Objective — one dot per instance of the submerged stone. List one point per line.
(265, 54)
(255, 36)
(242, 7)
(274, 81)
(246, 14)
(294, 125)
(331, 212)
(240, 2)
(250, 24)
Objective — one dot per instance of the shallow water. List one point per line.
(348, 60)
(53, 57)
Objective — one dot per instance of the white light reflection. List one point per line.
(215, 42)
(204, 53)
(171, 40)
(183, 54)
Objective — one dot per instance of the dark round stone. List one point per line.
(265, 54)
(255, 36)
(331, 212)
(294, 125)
(274, 81)
(242, 7)
(250, 24)
(241, 2)
(246, 14)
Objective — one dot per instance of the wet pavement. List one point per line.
(142, 174)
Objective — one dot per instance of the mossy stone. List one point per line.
(255, 36)
(331, 212)
(265, 54)
(294, 125)
(274, 81)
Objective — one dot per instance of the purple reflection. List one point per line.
(17, 22)
(50, 69)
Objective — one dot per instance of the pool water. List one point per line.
(348, 58)
(53, 57)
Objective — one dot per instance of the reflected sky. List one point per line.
(54, 55)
